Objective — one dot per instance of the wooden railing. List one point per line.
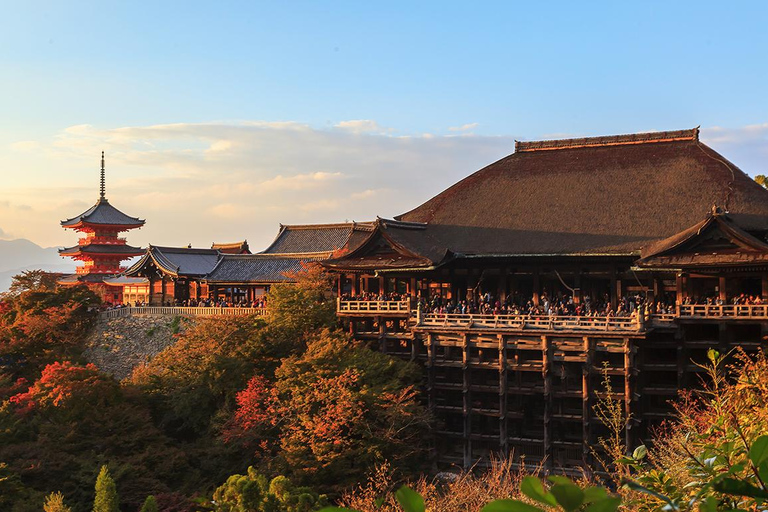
(374, 306)
(532, 322)
(757, 311)
(181, 311)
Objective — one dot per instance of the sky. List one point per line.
(221, 120)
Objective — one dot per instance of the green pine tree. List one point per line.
(106, 493)
(150, 505)
(54, 502)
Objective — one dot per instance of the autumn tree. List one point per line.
(334, 410)
(106, 499)
(54, 502)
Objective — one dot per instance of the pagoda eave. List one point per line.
(81, 226)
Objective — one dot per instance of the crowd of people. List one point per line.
(206, 302)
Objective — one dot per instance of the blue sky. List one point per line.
(464, 78)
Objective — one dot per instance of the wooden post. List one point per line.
(614, 289)
(577, 289)
(467, 402)
(678, 289)
(586, 405)
(503, 438)
(431, 371)
(536, 286)
(412, 288)
(764, 283)
(721, 288)
(628, 370)
(162, 295)
(546, 355)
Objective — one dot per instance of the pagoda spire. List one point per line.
(103, 185)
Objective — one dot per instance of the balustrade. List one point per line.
(181, 311)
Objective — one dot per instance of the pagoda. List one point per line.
(101, 250)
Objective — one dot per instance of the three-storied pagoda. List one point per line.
(101, 250)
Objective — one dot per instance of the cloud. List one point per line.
(5, 235)
(362, 126)
(25, 146)
(745, 146)
(234, 180)
(464, 127)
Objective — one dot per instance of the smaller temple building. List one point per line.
(101, 250)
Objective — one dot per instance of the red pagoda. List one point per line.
(101, 250)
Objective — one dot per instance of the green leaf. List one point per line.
(708, 505)
(739, 488)
(410, 500)
(568, 496)
(509, 506)
(605, 505)
(640, 452)
(532, 487)
(759, 451)
(671, 505)
(594, 493)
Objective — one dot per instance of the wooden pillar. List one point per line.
(721, 288)
(466, 402)
(764, 283)
(382, 334)
(546, 355)
(614, 289)
(412, 288)
(382, 282)
(355, 284)
(431, 372)
(577, 288)
(162, 295)
(536, 286)
(586, 403)
(503, 438)
(629, 364)
(678, 288)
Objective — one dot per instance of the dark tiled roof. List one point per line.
(74, 279)
(605, 195)
(314, 237)
(233, 248)
(177, 261)
(102, 249)
(259, 268)
(103, 213)
(714, 241)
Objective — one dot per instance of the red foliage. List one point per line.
(63, 383)
(257, 410)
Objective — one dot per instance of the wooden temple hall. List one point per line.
(521, 287)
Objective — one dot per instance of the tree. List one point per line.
(333, 412)
(150, 505)
(106, 499)
(762, 180)
(305, 305)
(253, 492)
(34, 281)
(54, 502)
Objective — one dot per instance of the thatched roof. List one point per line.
(599, 195)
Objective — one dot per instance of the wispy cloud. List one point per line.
(235, 180)
(464, 128)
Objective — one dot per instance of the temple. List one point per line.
(526, 286)
(565, 273)
(101, 250)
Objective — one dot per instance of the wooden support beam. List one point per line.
(629, 364)
(431, 372)
(722, 289)
(615, 286)
(382, 334)
(764, 283)
(466, 402)
(536, 287)
(546, 355)
(503, 438)
(586, 402)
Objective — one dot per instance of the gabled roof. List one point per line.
(122, 249)
(259, 268)
(715, 241)
(125, 280)
(292, 239)
(598, 195)
(393, 245)
(232, 248)
(176, 261)
(103, 213)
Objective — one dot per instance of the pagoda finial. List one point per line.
(103, 186)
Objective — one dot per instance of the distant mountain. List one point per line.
(21, 254)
